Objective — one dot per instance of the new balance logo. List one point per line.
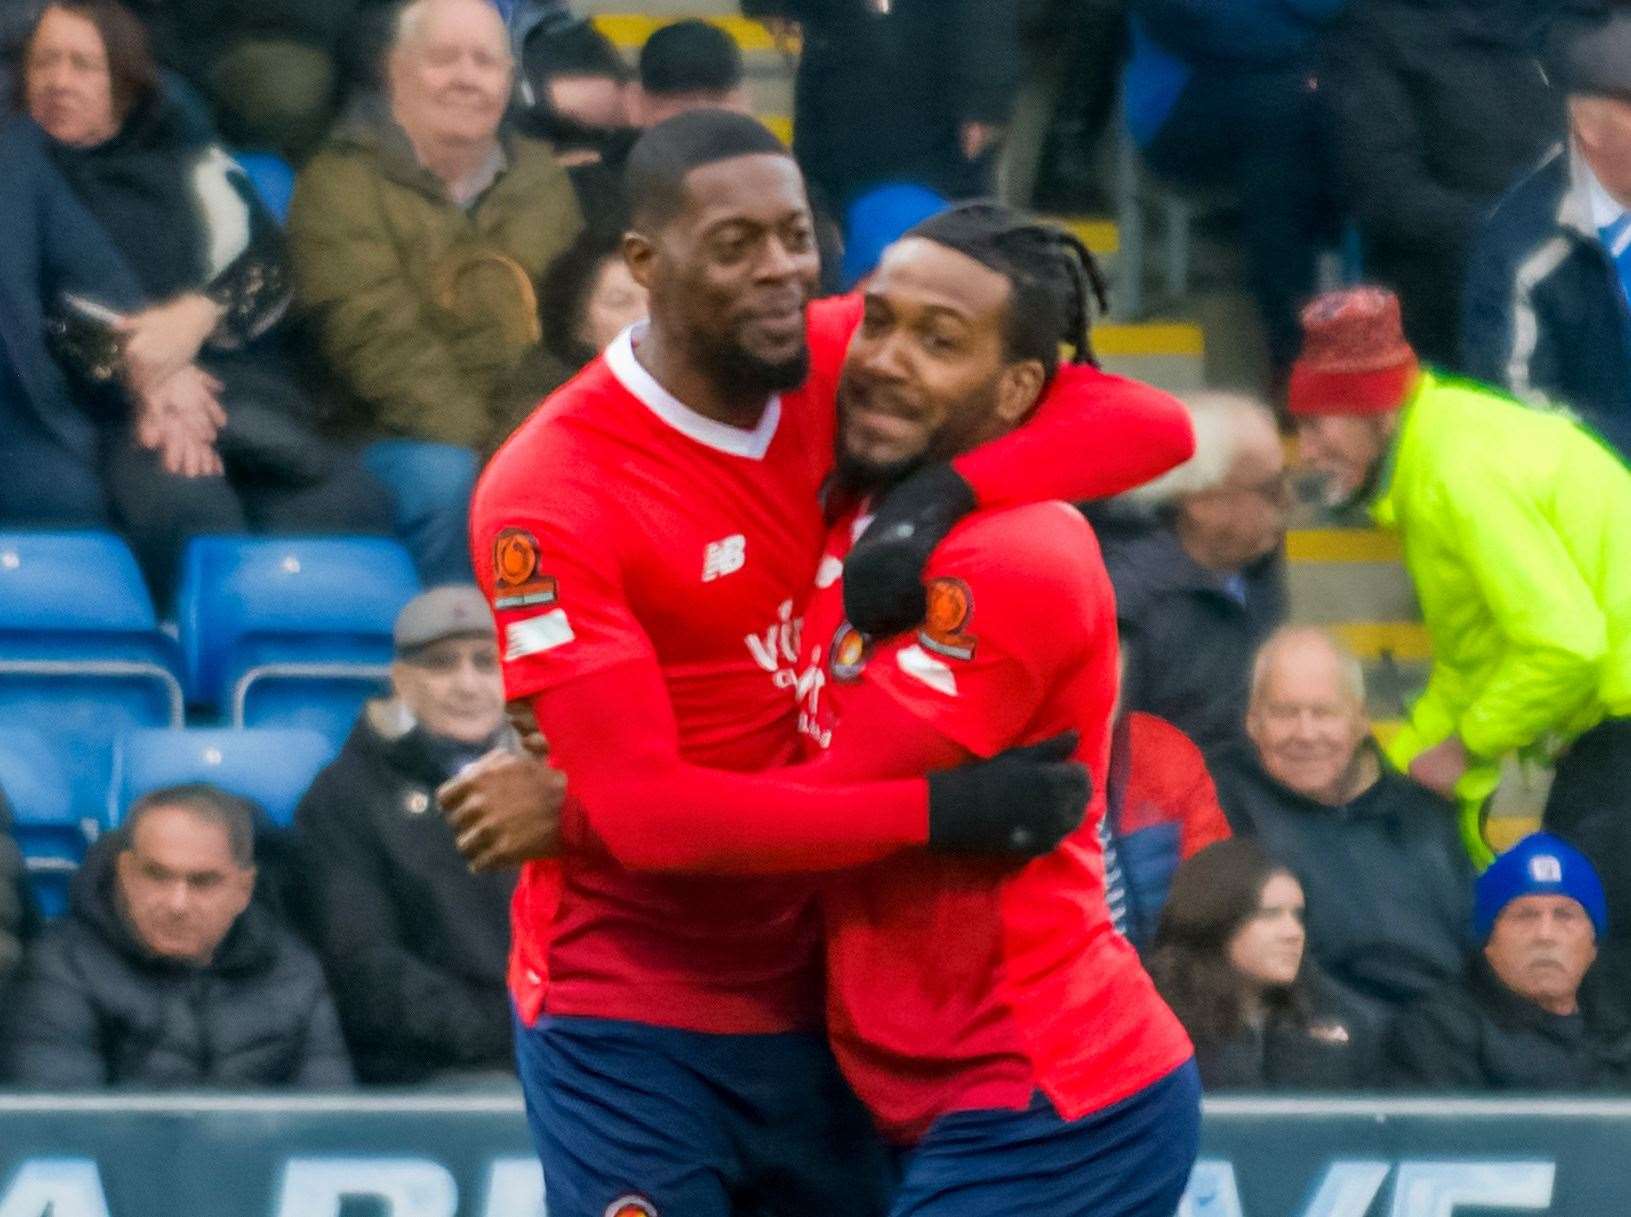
(724, 558)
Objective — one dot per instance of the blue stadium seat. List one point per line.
(49, 833)
(82, 658)
(272, 766)
(272, 178)
(291, 631)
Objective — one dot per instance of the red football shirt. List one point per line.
(647, 568)
(959, 984)
(617, 524)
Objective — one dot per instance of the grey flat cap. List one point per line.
(453, 611)
(1596, 58)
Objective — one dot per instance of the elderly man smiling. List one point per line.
(419, 236)
(1380, 859)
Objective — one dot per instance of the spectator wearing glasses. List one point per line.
(1197, 559)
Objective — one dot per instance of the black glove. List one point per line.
(883, 575)
(1021, 803)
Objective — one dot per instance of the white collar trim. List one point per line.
(710, 432)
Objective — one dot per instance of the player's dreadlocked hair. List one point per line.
(1055, 281)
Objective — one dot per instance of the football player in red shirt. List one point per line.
(647, 540)
(985, 1010)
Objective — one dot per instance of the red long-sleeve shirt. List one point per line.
(648, 569)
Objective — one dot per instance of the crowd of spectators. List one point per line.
(177, 357)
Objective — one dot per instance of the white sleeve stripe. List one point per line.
(536, 634)
(920, 665)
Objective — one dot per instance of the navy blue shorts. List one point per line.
(631, 1119)
(1130, 1160)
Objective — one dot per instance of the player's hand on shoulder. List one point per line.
(883, 575)
(1020, 803)
(505, 809)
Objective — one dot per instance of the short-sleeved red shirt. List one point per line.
(616, 524)
(960, 984)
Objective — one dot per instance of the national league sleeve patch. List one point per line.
(949, 612)
(516, 578)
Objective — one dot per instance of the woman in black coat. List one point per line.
(1228, 957)
(210, 263)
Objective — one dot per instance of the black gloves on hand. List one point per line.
(1020, 803)
(883, 575)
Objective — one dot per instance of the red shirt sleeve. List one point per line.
(1169, 775)
(1093, 435)
(613, 733)
(988, 653)
(549, 563)
(570, 642)
(829, 324)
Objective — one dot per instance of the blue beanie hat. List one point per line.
(1539, 865)
(878, 219)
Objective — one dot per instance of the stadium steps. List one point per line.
(1350, 581)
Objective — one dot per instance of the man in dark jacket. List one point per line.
(1197, 561)
(1522, 1019)
(1440, 106)
(168, 973)
(1380, 859)
(1545, 312)
(900, 90)
(415, 944)
(16, 909)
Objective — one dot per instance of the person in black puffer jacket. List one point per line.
(168, 973)
(1228, 958)
(1534, 1012)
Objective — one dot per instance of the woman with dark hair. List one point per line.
(1228, 957)
(210, 263)
(586, 299)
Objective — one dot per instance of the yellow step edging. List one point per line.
(1156, 338)
(1100, 236)
(629, 31)
(1406, 641)
(1342, 545)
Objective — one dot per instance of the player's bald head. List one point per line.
(665, 156)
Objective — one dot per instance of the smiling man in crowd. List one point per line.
(1379, 858)
(419, 235)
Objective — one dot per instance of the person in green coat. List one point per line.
(1516, 530)
(419, 235)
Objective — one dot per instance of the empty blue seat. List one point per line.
(272, 766)
(272, 178)
(82, 658)
(48, 831)
(290, 631)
